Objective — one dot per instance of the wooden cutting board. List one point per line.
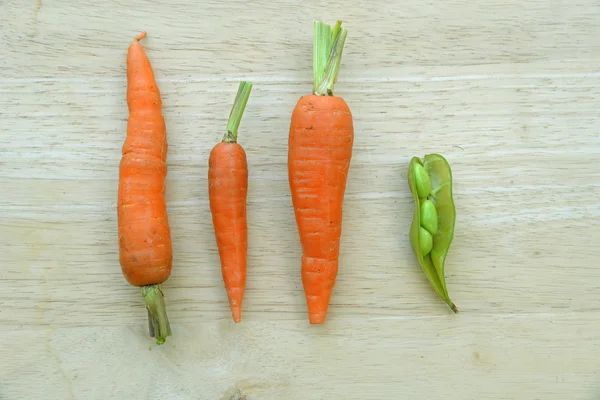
(506, 91)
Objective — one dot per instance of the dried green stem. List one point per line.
(239, 105)
(453, 307)
(157, 312)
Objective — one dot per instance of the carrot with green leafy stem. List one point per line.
(228, 188)
(320, 149)
(145, 251)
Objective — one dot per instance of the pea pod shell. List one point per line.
(441, 195)
(432, 264)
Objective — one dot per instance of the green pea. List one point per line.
(422, 181)
(425, 240)
(429, 219)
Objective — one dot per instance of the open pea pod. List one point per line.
(432, 228)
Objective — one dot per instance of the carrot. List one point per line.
(144, 234)
(320, 149)
(227, 188)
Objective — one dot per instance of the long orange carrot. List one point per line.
(320, 149)
(144, 233)
(228, 187)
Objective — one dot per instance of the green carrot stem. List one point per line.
(453, 307)
(239, 105)
(325, 88)
(157, 312)
(335, 31)
(327, 54)
(321, 50)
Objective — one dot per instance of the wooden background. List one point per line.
(508, 91)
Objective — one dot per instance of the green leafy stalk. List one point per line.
(335, 31)
(333, 66)
(321, 50)
(239, 105)
(327, 54)
(157, 312)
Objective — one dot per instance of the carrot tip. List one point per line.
(140, 36)
(317, 318)
(235, 296)
(237, 314)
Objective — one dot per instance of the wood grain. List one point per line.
(507, 91)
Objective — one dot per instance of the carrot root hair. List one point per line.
(140, 36)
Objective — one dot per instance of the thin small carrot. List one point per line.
(320, 149)
(144, 233)
(227, 188)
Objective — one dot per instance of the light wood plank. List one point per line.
(517, 356)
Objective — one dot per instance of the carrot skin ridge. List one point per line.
(228, 188)
(145, 250)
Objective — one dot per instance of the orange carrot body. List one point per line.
(144, 233)
(320, 150)
(228, 187)
(227, 191)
